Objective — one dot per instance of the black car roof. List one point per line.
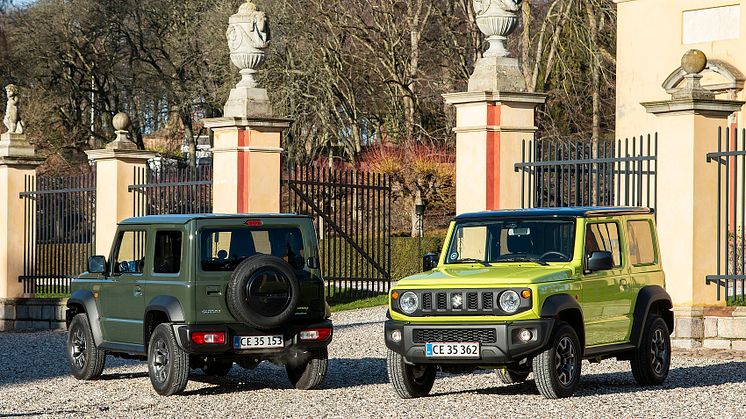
(185, 218)
(556, 212)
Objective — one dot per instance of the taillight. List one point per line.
(317, 334)
(208, 338)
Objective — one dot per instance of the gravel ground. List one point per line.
(34, 382)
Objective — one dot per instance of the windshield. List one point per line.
(528, 240)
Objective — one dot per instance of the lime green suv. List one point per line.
(534, 291)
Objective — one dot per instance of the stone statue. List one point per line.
(12, 119)
(482, 6)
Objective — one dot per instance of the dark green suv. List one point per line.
(203, 292)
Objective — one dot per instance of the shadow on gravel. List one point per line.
(354, 325)
(343, 373)
(623, 382)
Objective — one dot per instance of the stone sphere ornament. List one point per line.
(497, 19)
(121, 121)
(248, 36)
(694, 61)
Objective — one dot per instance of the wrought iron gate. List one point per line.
(559, 174)
(731, 216)
(59, 231)
(352, 216)
(172, 190)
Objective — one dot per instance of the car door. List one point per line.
(121, 299)
(169, 274)
(606, 294)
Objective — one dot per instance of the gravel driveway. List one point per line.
(34, 382)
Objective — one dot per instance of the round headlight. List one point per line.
(509, 301)
(408, 302)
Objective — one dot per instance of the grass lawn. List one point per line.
(341, 305)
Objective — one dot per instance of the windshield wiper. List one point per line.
(524, 259)
(470, 260)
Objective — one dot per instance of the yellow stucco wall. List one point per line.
(11, 221)
(650, 43)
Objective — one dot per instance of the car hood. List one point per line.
(496, 275)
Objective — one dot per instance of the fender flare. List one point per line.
(648, 296)
(168, 305)
(85, 299)
(557, 303)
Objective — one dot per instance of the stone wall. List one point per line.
(714, 328)
(32, 314)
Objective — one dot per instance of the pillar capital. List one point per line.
(711, 108)
(131, 156)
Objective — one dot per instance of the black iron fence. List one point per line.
(352, 216)
(731, 216)
(59, 231)
(172, 190)
(564, 174)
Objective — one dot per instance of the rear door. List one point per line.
(606, 294)
(224, 243)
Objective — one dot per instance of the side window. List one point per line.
(603, 237)
(130, 256)
(167, 257)
(641, 246)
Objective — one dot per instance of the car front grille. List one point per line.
(454, 335)
(473, 302)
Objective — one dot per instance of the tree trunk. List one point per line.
(595, 76)
(186, 120)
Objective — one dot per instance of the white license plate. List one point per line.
(452, 350)
(258, 342)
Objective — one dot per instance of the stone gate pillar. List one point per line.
(248, 139)
(687, 197)
(115, 172)
(492, 119)
(17, 160)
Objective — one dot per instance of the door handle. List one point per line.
(213, 290)
(623, 284)
(138, 291)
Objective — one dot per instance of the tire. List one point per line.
(652, 360)
(168, 364)
(557, 368)
(309, 375)
(86, 361)
(509, 377)
(409, 381)
(266, 310)
(216, 368)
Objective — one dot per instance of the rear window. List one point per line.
(641, 245)
(222, 249)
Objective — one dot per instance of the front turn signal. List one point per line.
(526, 294)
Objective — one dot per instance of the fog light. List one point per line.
(525, 335)
(396, 336)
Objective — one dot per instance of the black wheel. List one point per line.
(216, 367)
(507, 376)
(85, 359)
(168, 364)
(557, 369)
(652, 360)
(263, 292)
(409, 381)
(309, 375)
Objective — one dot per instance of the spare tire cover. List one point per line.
(263, 292)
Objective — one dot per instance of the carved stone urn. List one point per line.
(248, 36)
(497, 19)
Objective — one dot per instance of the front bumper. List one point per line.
(290, 334)
(499, 343)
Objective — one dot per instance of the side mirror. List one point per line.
(600, 261)
(97, 265)
(429, 261)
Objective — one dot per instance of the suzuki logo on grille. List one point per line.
(457, 301)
